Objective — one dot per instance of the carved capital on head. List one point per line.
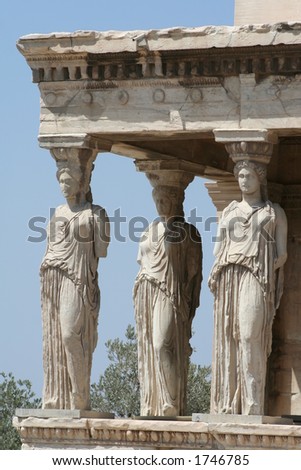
(81, 157)
(169, 178)
(260, 152)
(78, 162)
(173, 179)
(169, 172)
(247, 144)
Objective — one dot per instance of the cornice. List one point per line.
(274, 61)
(181, 53)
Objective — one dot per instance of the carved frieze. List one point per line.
(281, 61)
(138, 434)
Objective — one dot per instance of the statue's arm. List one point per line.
(145, 235)
(101, 232)
(280, 236)
(222, 228)
(220, 237)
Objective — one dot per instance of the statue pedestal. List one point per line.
(101, 433)
(62, 414)
(240, 419)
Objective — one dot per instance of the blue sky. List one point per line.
(29, 187)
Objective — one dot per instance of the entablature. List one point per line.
(161, 94)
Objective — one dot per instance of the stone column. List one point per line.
(283, 388)
(77, 237)
(255, 146)
(284, 382)
(166, 292)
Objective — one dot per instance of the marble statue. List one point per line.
(247, 283)
(78, 235)
(166, 295)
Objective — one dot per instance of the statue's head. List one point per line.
(74, 181)
(70, 181)
(251, 176)
(169, 201)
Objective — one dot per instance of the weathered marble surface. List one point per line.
(285, 365)
(113, 84)
(62, 414)
(163, 94)
(77, 236)
(247, 283)
(54, 433)
(157, 40)
(166, 296)
(223, 418)
(267, 11)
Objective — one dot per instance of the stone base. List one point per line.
(90, 433)
(163, 418)
(295, 418)
(68, 414)
(240, 419)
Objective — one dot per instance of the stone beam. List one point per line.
(148, 159)
(78, 141)
(79, 44)
(137, 152)
(227, 136)
(178, 166)
(167, 84)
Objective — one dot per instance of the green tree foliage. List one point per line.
(13, 394)
(198, 389)
(117, 390)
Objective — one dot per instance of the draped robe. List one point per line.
(166, 295)
(247, 291)
(70, 305)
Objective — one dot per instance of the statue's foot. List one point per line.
(169, 410)
(78, 402)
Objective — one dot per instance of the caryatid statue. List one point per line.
(78, 235)
(166, 295)
(247, 283)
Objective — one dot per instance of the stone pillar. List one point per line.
(256, 147)
(284, 382)
(166, 292)
(283, 388)
(77, 237)
(267, 11)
